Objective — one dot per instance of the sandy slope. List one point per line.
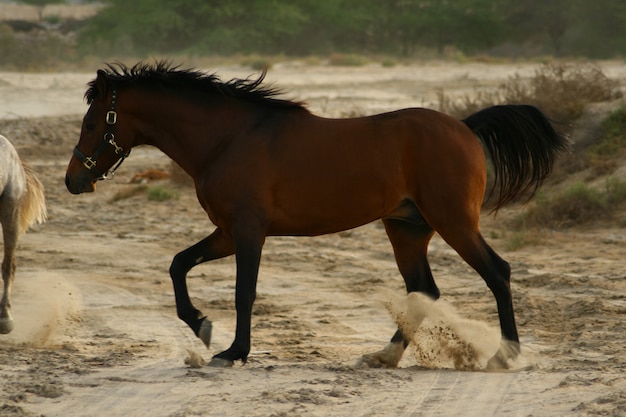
(96, 331)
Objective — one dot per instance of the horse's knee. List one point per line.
(179, 266)
(500, 282)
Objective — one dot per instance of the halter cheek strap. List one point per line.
(90, 162)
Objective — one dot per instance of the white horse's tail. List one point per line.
(33, 209)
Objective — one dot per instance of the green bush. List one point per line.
(521, 239)
(576, 205)
(604, 154)
(161, 193)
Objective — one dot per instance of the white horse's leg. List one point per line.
(10, 233)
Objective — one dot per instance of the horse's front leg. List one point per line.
(248, 253)
(10, 233)
(217, 245)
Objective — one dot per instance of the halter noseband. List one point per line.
(90, 162)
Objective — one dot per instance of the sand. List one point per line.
(96, 329)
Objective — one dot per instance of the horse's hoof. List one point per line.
(205, 332)
(6, 326)
(507, 353)
(389, 357)
(374, 360)
(221, 363)
(496, 363)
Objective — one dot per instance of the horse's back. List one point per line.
(12, 176)
(410, 151)
(342, 173)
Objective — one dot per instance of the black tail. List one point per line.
(522, 145)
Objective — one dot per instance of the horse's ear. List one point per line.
(101, 82)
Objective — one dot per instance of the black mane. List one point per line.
(163, 74)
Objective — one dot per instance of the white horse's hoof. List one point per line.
(6, 325)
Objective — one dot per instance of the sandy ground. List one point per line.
(97, 334)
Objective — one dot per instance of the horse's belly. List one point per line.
(324, 213)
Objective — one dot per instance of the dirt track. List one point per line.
(97, 334)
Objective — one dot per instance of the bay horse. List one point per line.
(22, 204)
(265, 166)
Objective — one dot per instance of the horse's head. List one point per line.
(102, 145)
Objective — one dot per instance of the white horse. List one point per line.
(22, 204)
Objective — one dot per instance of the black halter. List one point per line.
(90, 162)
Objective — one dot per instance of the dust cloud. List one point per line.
(441, 337)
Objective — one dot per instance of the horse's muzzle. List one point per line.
(82, 185)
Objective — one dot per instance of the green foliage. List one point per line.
(394, 27)
(161, 193)
(598, 29)
(426, 28)
(615, 191)
(520, 239)
(603, 156)
(195, 26)
(576, 205)
(613, 142)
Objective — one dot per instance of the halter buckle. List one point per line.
(111, 117)
(89, 163)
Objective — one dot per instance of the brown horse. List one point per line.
(263, 166)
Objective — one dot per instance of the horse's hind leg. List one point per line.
(10, 234)
(497, 274)
(409, 240)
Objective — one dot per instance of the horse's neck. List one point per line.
(191, 135)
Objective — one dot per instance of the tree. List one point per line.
(466, 24)
(213, 26)
(531, 20)
(363, 26)
(600, 28)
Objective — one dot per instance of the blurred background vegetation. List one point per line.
(61, 34)
(395, 28)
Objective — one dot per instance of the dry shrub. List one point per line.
(563, 90)
(33, 51)
(560, 90)
(468, 104)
